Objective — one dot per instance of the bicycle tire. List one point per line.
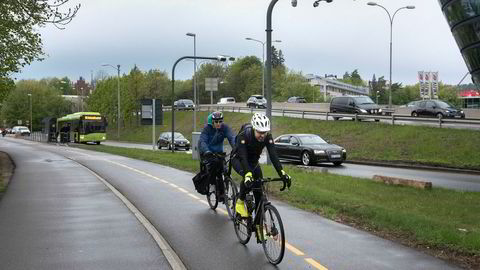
(242, 228)
(212, 197)
(274, 242)
(231, 192)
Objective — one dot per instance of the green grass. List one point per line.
(364, 141)
(439, 218)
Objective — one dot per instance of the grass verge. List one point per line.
(364, 141)
(443, 222)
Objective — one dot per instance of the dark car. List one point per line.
(165, 140)
(308, 149)
(436, 108)
(296, 100)
(256, 101)
(354, 105)
(184, 104)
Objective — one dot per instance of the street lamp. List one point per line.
(263, 60)
(118, 96)
(268, 79)
(391, 29)
(218, 58)
(81, 99)
(31, 129)
(194, 79)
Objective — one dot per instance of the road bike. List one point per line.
(264, 220)
(221, 173)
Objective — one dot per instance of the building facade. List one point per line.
(330, 87)
(463, 17)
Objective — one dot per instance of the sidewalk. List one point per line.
(55, 214)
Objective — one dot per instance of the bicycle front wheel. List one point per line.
(212, 198)
(230, 195)
(274, 235)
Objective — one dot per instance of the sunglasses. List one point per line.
(218, 121)
(261, 133)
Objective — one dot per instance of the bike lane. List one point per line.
(55, 214)
(205, 239)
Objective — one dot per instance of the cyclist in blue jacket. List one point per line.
(211, 141)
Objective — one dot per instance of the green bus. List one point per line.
(82, 127)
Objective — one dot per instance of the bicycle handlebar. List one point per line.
(266, 180)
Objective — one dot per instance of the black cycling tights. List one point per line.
(257, 174)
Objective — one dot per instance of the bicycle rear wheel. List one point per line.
(274, 239)
(212, 198)
(230, 195)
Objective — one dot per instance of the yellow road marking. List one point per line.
(293, 249)
(315, 264)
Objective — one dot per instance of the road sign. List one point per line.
(211, 84)
(147, 112)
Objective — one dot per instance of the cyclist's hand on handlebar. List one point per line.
(248, 179)
(208, 154)
(286, 178)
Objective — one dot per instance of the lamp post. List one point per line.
(194, 79)
(81, 99)
(263, 60)
(218, 58)
(268, 79)
(118, 96)
(31, 124)
(391, 29)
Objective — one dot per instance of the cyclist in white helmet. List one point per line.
(249, 144)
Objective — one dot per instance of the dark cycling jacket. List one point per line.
(212, 139)
(248, 149)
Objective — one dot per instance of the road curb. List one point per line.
(409, 166)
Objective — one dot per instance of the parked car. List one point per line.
(256, 101)
(308, 149)
(184, 104)
(354, 105)
(165, 140)
(436, 108)
(22, 130)
(226, 100)
(296, 100)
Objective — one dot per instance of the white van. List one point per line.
(226, 100)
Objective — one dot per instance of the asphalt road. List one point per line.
(202, 238)
(58, 215)
(444, 179)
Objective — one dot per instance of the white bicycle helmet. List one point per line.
(260, 122)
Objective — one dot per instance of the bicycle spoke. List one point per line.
(274, 243)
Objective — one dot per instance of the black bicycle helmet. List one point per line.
(217, 116)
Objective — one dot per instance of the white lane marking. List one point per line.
(167, 251)
(291, 248)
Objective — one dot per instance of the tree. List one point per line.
(20, 43)
(46, 102)
(244, 78)
(277, 58)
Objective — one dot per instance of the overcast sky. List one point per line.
(331, 39)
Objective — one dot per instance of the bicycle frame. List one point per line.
(259, 206)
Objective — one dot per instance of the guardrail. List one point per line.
(331, 116)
